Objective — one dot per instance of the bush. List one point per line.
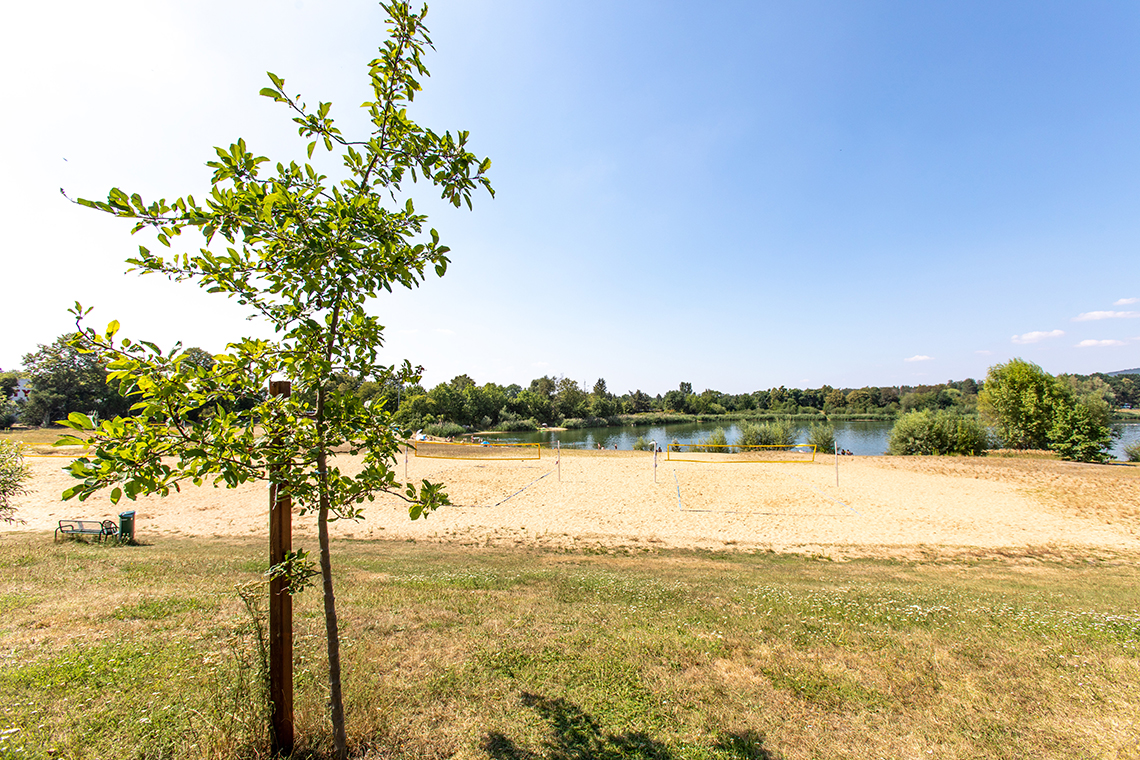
(1132, 451)
(717, 442)
(578, 423)
(653, 418)
(780, 433)
(937, 432)
(445, 430)
(641, 444)
(13, 473)
(822, 436)
(749, 435)
(517, 424)
(9, 414)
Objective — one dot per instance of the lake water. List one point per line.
(862, 438)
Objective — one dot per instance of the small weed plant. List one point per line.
(716, 443)
(1132, 451)
(822, 436)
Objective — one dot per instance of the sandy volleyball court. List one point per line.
(890, 506)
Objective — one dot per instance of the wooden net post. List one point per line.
(280, 610)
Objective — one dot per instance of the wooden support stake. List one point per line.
(280, 611)
(837, 464)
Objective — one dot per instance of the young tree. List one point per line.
(306, 255)
(13, 473)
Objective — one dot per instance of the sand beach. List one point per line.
(882, 506)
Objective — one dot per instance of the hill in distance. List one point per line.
(1125, 372)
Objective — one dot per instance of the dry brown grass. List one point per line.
(1107, 492)
(40, 440)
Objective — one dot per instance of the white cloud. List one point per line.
(984, 352)
(918, 358)
(1125, 301)
(1089, 316)
(1037, 336)
(1092, 343)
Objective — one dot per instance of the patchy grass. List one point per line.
(1024, 454)
(41, 440)
(112, 651)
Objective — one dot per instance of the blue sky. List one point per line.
(738, 195)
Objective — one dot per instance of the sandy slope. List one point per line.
(882, 505)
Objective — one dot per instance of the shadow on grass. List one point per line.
(575, 735)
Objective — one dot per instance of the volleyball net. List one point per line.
(467, 450)
(802, 453)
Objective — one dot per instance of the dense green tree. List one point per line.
(569, 399)
(543, 386)
(461, 382)
(198, 358)
(639, 402)
(813, 398)
(676, 401)
(834, 401)
(447, 403)
(1018, 401)
(1081, 432)
(306, 255)
(601, 407)
(859, 401)
(416, 410)
(8, 383)
(481, 406)
(64, 380)
(530, 404)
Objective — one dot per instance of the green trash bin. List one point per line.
(127, 527)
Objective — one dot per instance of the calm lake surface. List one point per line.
(863, 438)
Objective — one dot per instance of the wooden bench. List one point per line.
(104, 530)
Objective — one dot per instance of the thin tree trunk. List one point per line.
(332, 629)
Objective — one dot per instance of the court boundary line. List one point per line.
(502, 501)
(681, 508)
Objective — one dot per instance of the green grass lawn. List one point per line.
(148, 651)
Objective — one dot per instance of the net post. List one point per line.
(654, 460)
(280, 608)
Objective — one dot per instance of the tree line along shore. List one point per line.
(959, 417)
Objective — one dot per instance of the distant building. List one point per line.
(22, 389)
